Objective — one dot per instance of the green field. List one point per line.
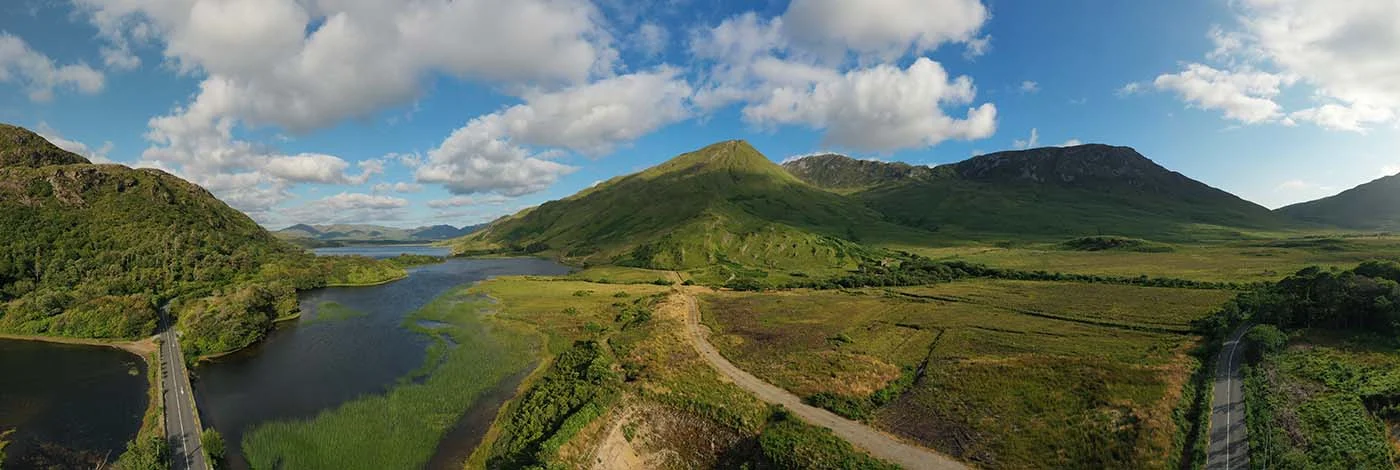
(1327, 401)
(1006, 374)
(1264, 259)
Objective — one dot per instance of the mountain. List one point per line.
(1042, 193)
(1370, 206)
(363, 233)
(722, 207)
(89, 249)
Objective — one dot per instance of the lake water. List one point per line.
(309, 366)
(384, 251)
(72, 405)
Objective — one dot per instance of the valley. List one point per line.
(1058, 307)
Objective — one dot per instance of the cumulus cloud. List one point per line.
(1344, 51)
(1244, 95)
(880, 108)
(882, 29)
(1071, 143)
(492, 153)
(1032, 141)
(318, 168)
(651, 39)
(39, 75)
(1029, 86)
(305, 65)
(347, 208)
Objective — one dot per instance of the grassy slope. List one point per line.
(724, 205)
(1370, 206)
(999, 387)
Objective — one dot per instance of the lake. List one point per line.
(315, 364)
(384, 251)
(72, 405)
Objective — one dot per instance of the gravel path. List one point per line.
(876, 443)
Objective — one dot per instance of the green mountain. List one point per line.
(725, 206)
(1050, 192)
(91, 250)
(1371, 206)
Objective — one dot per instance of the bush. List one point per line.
(151, 453)
(1262, 340)
(213, 444)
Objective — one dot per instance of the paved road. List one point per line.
(181, 429)
(1229, 442)
(877, 443)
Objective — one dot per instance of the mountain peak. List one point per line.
(735, 156)
(22, 147)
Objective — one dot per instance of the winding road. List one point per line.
(1229, 441)
(874, 442)
(181, 424)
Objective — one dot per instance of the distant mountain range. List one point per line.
(1043, 192)
(360, 233)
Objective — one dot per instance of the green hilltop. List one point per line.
(1370, 206)
(724, 206)
(92, 250)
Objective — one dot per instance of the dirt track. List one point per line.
(874, 442)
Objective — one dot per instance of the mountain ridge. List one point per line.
(1374, 205)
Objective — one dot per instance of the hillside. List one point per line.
(725, 205)
(1050, 192)
(364, 233)
(91, 250)
(1371, 206)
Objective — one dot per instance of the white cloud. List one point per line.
(305, 65)
(1131, 88)
(977, 47)
(880, 108)
(1344, 51)
(1071, 143)
(318, 168)
(1033, 141)
(1029, 86)
(346, 208)
(882, 29)
(1244, 95)
(651, 39)
(464, 201)
(40, 75)
(1388, 170)
(489, 154)
(95, 155)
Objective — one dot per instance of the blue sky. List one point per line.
(431, 111)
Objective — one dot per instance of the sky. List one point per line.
(424, 112)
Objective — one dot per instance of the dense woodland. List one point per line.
(1363, 299)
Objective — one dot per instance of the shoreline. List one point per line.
(370, 284)
(142, 347)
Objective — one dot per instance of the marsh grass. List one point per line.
(330, 311)
(995, 384)
(402, 428)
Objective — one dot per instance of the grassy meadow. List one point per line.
(1269, 257)
(1002, 374)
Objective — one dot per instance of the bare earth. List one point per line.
(876, 443)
